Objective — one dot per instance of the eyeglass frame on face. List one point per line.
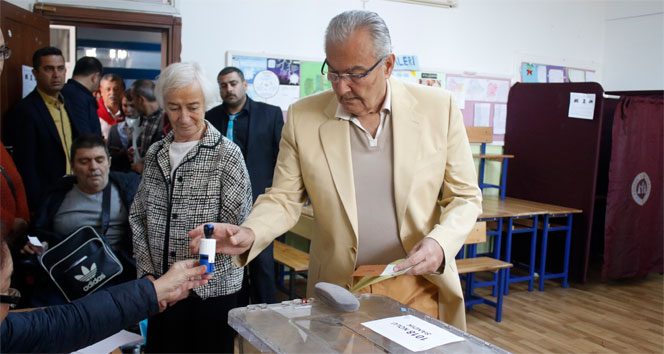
(349, 77)
(6, 52)
(12, 297)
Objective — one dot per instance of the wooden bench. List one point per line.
(297, 262)
(469, 266)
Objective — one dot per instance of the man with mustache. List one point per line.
(40, 130)
(112, 89)
(256, 128)
(77, 201)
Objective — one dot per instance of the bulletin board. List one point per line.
(544, 73)
(482, 99)
(281, 80)
(277, 79)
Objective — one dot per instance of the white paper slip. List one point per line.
(412, 333)
(389, 271)
(111, 343)
(35, 241)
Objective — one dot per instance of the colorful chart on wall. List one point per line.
(482, 100)
(543, 73)
(279, 81)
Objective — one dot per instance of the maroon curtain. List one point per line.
(634, 227)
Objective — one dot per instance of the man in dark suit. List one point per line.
(79, 101)
(256, 128)
(40, 128)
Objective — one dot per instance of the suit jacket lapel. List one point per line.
(254, 127)
(163, 158)
(44, 114)
(335, 138)
(406, 135)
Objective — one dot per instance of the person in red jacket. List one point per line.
(14, 211)
(112, 89)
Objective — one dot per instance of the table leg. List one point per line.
(545, 242)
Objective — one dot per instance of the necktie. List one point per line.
(229, 130)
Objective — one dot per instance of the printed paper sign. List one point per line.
(581, 105)
(412, 333)
(499, 118)
(29, 81)
(406, 62)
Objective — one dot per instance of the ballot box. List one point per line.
(309, 326)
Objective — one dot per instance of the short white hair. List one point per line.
(342, 26)
(179, 75)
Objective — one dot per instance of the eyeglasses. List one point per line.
(6, 52)
(12, 297)
(355, 78)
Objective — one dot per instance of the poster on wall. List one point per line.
(434, 79)
(541, 73)
(271, 80)
(482, 100)
(311, 80)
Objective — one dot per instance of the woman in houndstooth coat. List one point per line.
(192, 176)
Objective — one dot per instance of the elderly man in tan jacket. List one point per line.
(389, 172)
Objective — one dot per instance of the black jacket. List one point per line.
(85, 321)
(265, 124)
(118, 151)
(82, 107)
(38, 152)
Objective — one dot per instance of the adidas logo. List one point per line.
(88, 275)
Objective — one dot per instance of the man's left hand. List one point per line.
(426, 257)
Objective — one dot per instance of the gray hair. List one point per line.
(345, 23)
(179, 75)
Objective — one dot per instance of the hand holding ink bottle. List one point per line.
(207, 248)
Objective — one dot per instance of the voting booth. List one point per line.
(380, 325)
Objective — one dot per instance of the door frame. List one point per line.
(169, 26)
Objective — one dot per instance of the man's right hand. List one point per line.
(29, 248)
(231, 239)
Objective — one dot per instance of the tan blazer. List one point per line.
(431, 152)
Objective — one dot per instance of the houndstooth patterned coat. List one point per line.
(211, 184)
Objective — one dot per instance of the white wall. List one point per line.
(621, 39)
(634, 49)
(490, 37)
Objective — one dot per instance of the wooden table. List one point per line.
(523, 216)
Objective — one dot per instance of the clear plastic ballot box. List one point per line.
(309, 326)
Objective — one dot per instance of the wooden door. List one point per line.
(24, 33)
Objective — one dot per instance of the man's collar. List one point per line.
(80, 85)
(114, 115)
(342, 113)
(247, 106)
(50, 99)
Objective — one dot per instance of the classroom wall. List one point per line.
(487, 37)
(634, 50)
(621, 39)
